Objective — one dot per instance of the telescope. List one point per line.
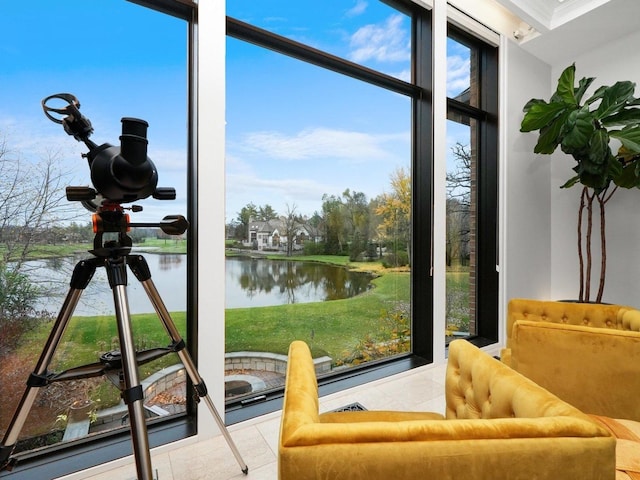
(121, 174)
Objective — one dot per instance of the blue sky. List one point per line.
(294, 131)
(119, 59)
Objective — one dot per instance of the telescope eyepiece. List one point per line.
(133, 141)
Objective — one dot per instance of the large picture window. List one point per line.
(329, 190)
(98, 52)
(471, 248)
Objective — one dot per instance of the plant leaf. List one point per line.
(571, 182)
(541, 114)
(578, 137)
(599, 151)
(614, 98)
(627, 177)
(583, 85)
(533, 101)
(565, 91)
(597, 182)
(550, 136)
(628, 116)
(597, 95)
(629, 136)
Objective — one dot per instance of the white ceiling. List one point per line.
(565, 29)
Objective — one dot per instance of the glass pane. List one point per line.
(318, 218)
(368, 33)
(97, 52)
(462, 72)
(461, 207)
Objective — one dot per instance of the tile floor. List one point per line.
(420, 389)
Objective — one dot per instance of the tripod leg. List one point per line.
(141, 270)
(82, 274)
(132, 394)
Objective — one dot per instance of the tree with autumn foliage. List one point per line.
(394, 208)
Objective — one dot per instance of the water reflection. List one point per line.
(168, 272)
(255, 282)
(249, 283)
(170, 262)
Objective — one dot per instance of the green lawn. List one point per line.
(154, 245)
(330, 328)
(86, 337)
(334, 328)
(168, 245)
(457, 308)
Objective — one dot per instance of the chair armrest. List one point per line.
(441, 430)
(377, 416)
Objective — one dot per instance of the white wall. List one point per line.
(211, 218)
(525, 182)
(617, 60)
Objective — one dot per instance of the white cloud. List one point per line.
(243, 188)
(321, 143)
(358, 9)
(457, 74)
(387, 42)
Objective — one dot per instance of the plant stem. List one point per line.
(580, 255)
(588, 241)
(603, 248)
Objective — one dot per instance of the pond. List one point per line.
(168, 272)
(250, 282)
(253, 282)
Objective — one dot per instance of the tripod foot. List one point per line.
(245, 470)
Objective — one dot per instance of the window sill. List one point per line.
(70, 457)
(272, 401)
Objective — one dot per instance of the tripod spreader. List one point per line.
(109, 362)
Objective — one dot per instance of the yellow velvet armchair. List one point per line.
(586, 354)
(498, 425)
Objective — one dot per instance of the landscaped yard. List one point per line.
(331, 328)
(347, 330)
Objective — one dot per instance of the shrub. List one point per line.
(17, 313)
(397, 259)
(313, 248)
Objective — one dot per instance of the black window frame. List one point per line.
(486, 115)
(420, 91)
(69, 457)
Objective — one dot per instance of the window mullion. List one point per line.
(422, 174)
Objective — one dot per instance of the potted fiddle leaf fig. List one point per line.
(586, 130)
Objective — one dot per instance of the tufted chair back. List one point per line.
(479, 386)
(587, 354)
(597, 315)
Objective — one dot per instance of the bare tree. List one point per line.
(32, 206)
(292, 222)
(459, 206)
(459, 180)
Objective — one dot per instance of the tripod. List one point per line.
(115, 256)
